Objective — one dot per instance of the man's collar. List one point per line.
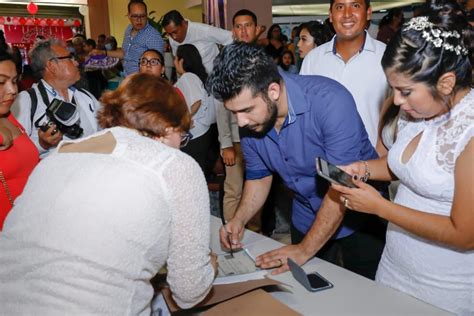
(51, 90)
(368, 44)
(295, 98)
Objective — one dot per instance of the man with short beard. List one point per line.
(290, 121)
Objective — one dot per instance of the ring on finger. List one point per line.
(281, 261)
(346, 202)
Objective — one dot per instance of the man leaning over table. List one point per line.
(289, 120)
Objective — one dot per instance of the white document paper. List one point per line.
(239, 268)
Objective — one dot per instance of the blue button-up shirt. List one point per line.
(133, 47)
(322, 122)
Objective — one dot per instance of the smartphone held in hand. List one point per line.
(333, 174)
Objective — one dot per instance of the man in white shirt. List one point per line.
(353, 58)
(59, 72)
(204, 37)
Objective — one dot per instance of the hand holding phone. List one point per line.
(333, 174)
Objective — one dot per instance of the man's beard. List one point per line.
(267, 124)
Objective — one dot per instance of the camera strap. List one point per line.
(44, 97)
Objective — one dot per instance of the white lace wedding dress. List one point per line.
(430, 271)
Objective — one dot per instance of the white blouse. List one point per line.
(90, 231)
(193, 90)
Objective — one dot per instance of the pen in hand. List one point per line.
(229, 239)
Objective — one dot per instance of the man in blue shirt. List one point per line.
(139, 37)
(290, 120)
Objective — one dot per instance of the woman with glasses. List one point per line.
(18, 154)
(152, 62)
(101, 216)
(192, 76)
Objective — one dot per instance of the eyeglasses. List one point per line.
(137, 17)
(151, 61)
(185, 138)
(70, 57)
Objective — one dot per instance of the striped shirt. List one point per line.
(133, 47)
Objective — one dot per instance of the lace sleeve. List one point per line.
(462, 143)
(190, 273)
(452, 138)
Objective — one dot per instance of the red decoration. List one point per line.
(77, 23)
(49, 22)
(61, 22)
(32, 8)
(2, 20)
(22, 21)
(37, 22)
(9, 19)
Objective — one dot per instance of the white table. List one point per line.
(352, 294)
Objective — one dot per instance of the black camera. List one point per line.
(66, 117)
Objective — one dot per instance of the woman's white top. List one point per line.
(193, 90)
(90, 231)
(432, 272)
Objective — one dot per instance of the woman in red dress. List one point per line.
(18, 155)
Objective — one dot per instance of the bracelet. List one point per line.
(366, 173)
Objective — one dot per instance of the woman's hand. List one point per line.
(355, 169)
(363, 199)
(6, 137)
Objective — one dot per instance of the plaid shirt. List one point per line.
(133, 47)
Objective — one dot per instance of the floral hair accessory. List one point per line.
(435, 35)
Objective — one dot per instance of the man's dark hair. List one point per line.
(172, 16)
(245, 12)
(91, 42)
(242, 65)
(135, 2)
(367, 3)
(102, 36)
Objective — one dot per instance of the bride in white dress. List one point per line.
(429, 251)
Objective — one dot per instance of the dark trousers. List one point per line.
(198, 148)
(359, 252)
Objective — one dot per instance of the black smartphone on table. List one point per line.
(333, 174)
(313, 281)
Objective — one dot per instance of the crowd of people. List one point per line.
(100, 189)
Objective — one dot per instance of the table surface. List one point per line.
(352, 294)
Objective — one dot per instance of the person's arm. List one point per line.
(118, 53)
(195, 107)
(254, 195)
(456, 230)
(223, 118)
(217, 35)
(191, 269)
(256, 187)
(328, 219)
(189, 85)
(376, 169)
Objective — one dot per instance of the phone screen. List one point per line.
(317, 282)
(332, 173)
